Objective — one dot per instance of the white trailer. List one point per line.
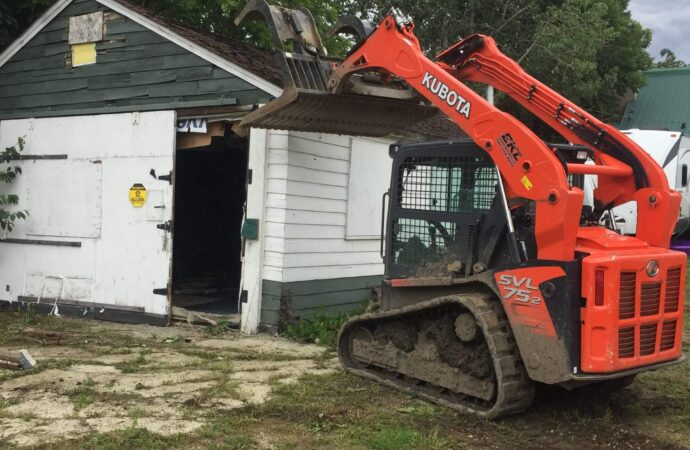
(672, 151)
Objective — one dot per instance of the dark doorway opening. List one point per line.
(210, 192)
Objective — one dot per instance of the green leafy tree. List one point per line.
(669, 60)
(8, 217)
(218, 17)
(591, 51)
(17, 15)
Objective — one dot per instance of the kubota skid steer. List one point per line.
(496, 275)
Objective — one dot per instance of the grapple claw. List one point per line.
(285, 25)
(365, 104)
(353, 25)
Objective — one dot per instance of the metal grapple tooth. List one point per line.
(285, 25)
(353, 25)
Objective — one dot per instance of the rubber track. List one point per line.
(515, 391)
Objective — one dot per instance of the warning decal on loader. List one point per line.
(137, 195)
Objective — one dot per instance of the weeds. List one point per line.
(85, 395)
(321, 328)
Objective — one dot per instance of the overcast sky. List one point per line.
(669, 21)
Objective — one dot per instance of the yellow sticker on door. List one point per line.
(526, 183)
(137, 195)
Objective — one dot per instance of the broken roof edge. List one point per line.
(150, 23)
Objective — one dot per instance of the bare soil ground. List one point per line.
(120, 386)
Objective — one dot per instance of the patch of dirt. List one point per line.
(104, 390)
(265, 345)
(42, 405)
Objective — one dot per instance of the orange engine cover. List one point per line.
(638, 318)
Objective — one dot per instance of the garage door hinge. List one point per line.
(165, 226)
(167, 177)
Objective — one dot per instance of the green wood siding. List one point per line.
(301, 299)
(135, 70)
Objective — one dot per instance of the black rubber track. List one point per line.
(514, 389)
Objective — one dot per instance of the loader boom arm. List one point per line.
(528, 166)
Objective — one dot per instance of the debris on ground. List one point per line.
(20, 360)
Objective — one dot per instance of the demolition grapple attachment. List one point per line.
(366, 104)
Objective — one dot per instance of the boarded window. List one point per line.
(64, 199)
(370, 171)
(84, 32)
(83, 54)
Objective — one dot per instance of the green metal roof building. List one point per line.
(663, 103)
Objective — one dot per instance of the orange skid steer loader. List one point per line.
(496, 274)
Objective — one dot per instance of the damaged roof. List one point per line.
(114, 92)
(262, 64)
(255, 60)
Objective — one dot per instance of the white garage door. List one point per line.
(98, 211)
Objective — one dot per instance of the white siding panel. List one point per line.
(304, 217)
(321, 147)
(293, 260)
(328, 272)
(316, 176)
(310, 161)
(322, 245)
(314, 204)
(316, 191)
(307, 210)
(298, 231)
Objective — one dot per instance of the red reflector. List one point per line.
(599, 287)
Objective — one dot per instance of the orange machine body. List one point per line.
(636, 320)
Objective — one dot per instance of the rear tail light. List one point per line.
(599, 287)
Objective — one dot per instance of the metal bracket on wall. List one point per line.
(167, 177)
(165, 226)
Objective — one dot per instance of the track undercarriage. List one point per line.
(456, 350)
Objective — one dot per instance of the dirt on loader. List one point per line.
(127, 386)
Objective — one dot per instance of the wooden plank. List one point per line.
(305, 204)
(48, 62)
(230, 83)
(129, 105)
(49, 37)
(327, 310)
(45, 87)
(123, 26)
(131, 39)
(139, 52)
(326, 272)
(305, 217)
(58, 23)
(269, 317)
(308, 190)
(77, 9)
(318, 245)
(195, 73)
(331, 259)
(317, 176)
(306, 302)
(32, 53)
(271, 288)
(310, 161)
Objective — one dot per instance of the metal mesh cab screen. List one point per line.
(440, 201)
(447, 184)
